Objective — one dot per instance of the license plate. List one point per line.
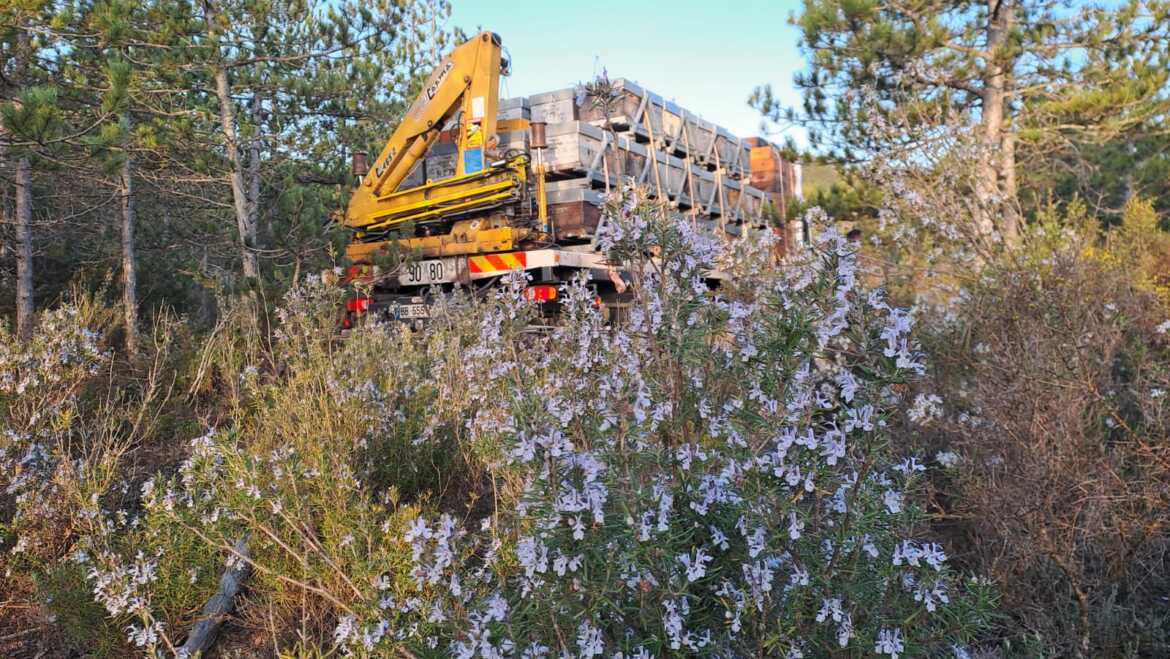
(409, 311)
(424, 272)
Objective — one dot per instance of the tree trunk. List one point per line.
(253, 171)
(994, 97)
(129, 262)
(1011, 218)
(24, 250)
(245, 210)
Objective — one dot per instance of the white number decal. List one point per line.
(424, 272)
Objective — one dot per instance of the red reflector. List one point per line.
(541, 293)
(358, 304)
(358, 273)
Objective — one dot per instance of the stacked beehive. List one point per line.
(704, 171)
(780, 180)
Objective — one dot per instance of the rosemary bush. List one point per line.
(712, 475)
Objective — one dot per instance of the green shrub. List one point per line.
(713, 476)
(78, 427)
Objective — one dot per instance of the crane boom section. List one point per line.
(465, 82)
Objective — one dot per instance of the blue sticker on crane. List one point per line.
(473, 160)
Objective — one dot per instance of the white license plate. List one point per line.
(426, 272)
(408, 311)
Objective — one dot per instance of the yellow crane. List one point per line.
(485, 207)
(458, 209)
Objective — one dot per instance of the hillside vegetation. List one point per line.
(939, 429)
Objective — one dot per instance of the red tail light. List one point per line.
(358, 304)
(542, 293)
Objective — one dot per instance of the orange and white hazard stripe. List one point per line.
(497, 262)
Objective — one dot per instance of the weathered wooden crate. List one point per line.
(722, 200)
(554, 107)
(730, 154)
(574, 209)
(625, 108)
(439, 163)
(745, 159)
(636, 157)
(579, 149)
(697, 139)
(514, 108)
(689, 197)
(666, 176)
(703, 187)
(673, 120)
(752, 203)
(732, 193)
(703, 141)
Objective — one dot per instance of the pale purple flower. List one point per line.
(589, 642)
(892, 501)
(889, 642)
(696, 567)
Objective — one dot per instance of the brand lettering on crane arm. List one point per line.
(381, 169)
(433, 87)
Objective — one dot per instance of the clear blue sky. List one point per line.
(705, 55)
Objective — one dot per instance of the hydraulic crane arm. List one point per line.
(466, 81)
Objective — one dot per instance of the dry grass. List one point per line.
(1053, 373)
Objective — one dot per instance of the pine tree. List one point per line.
(286, 78)
(1025, 73)
(168, 117)
(29, 122)
(115, 23)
